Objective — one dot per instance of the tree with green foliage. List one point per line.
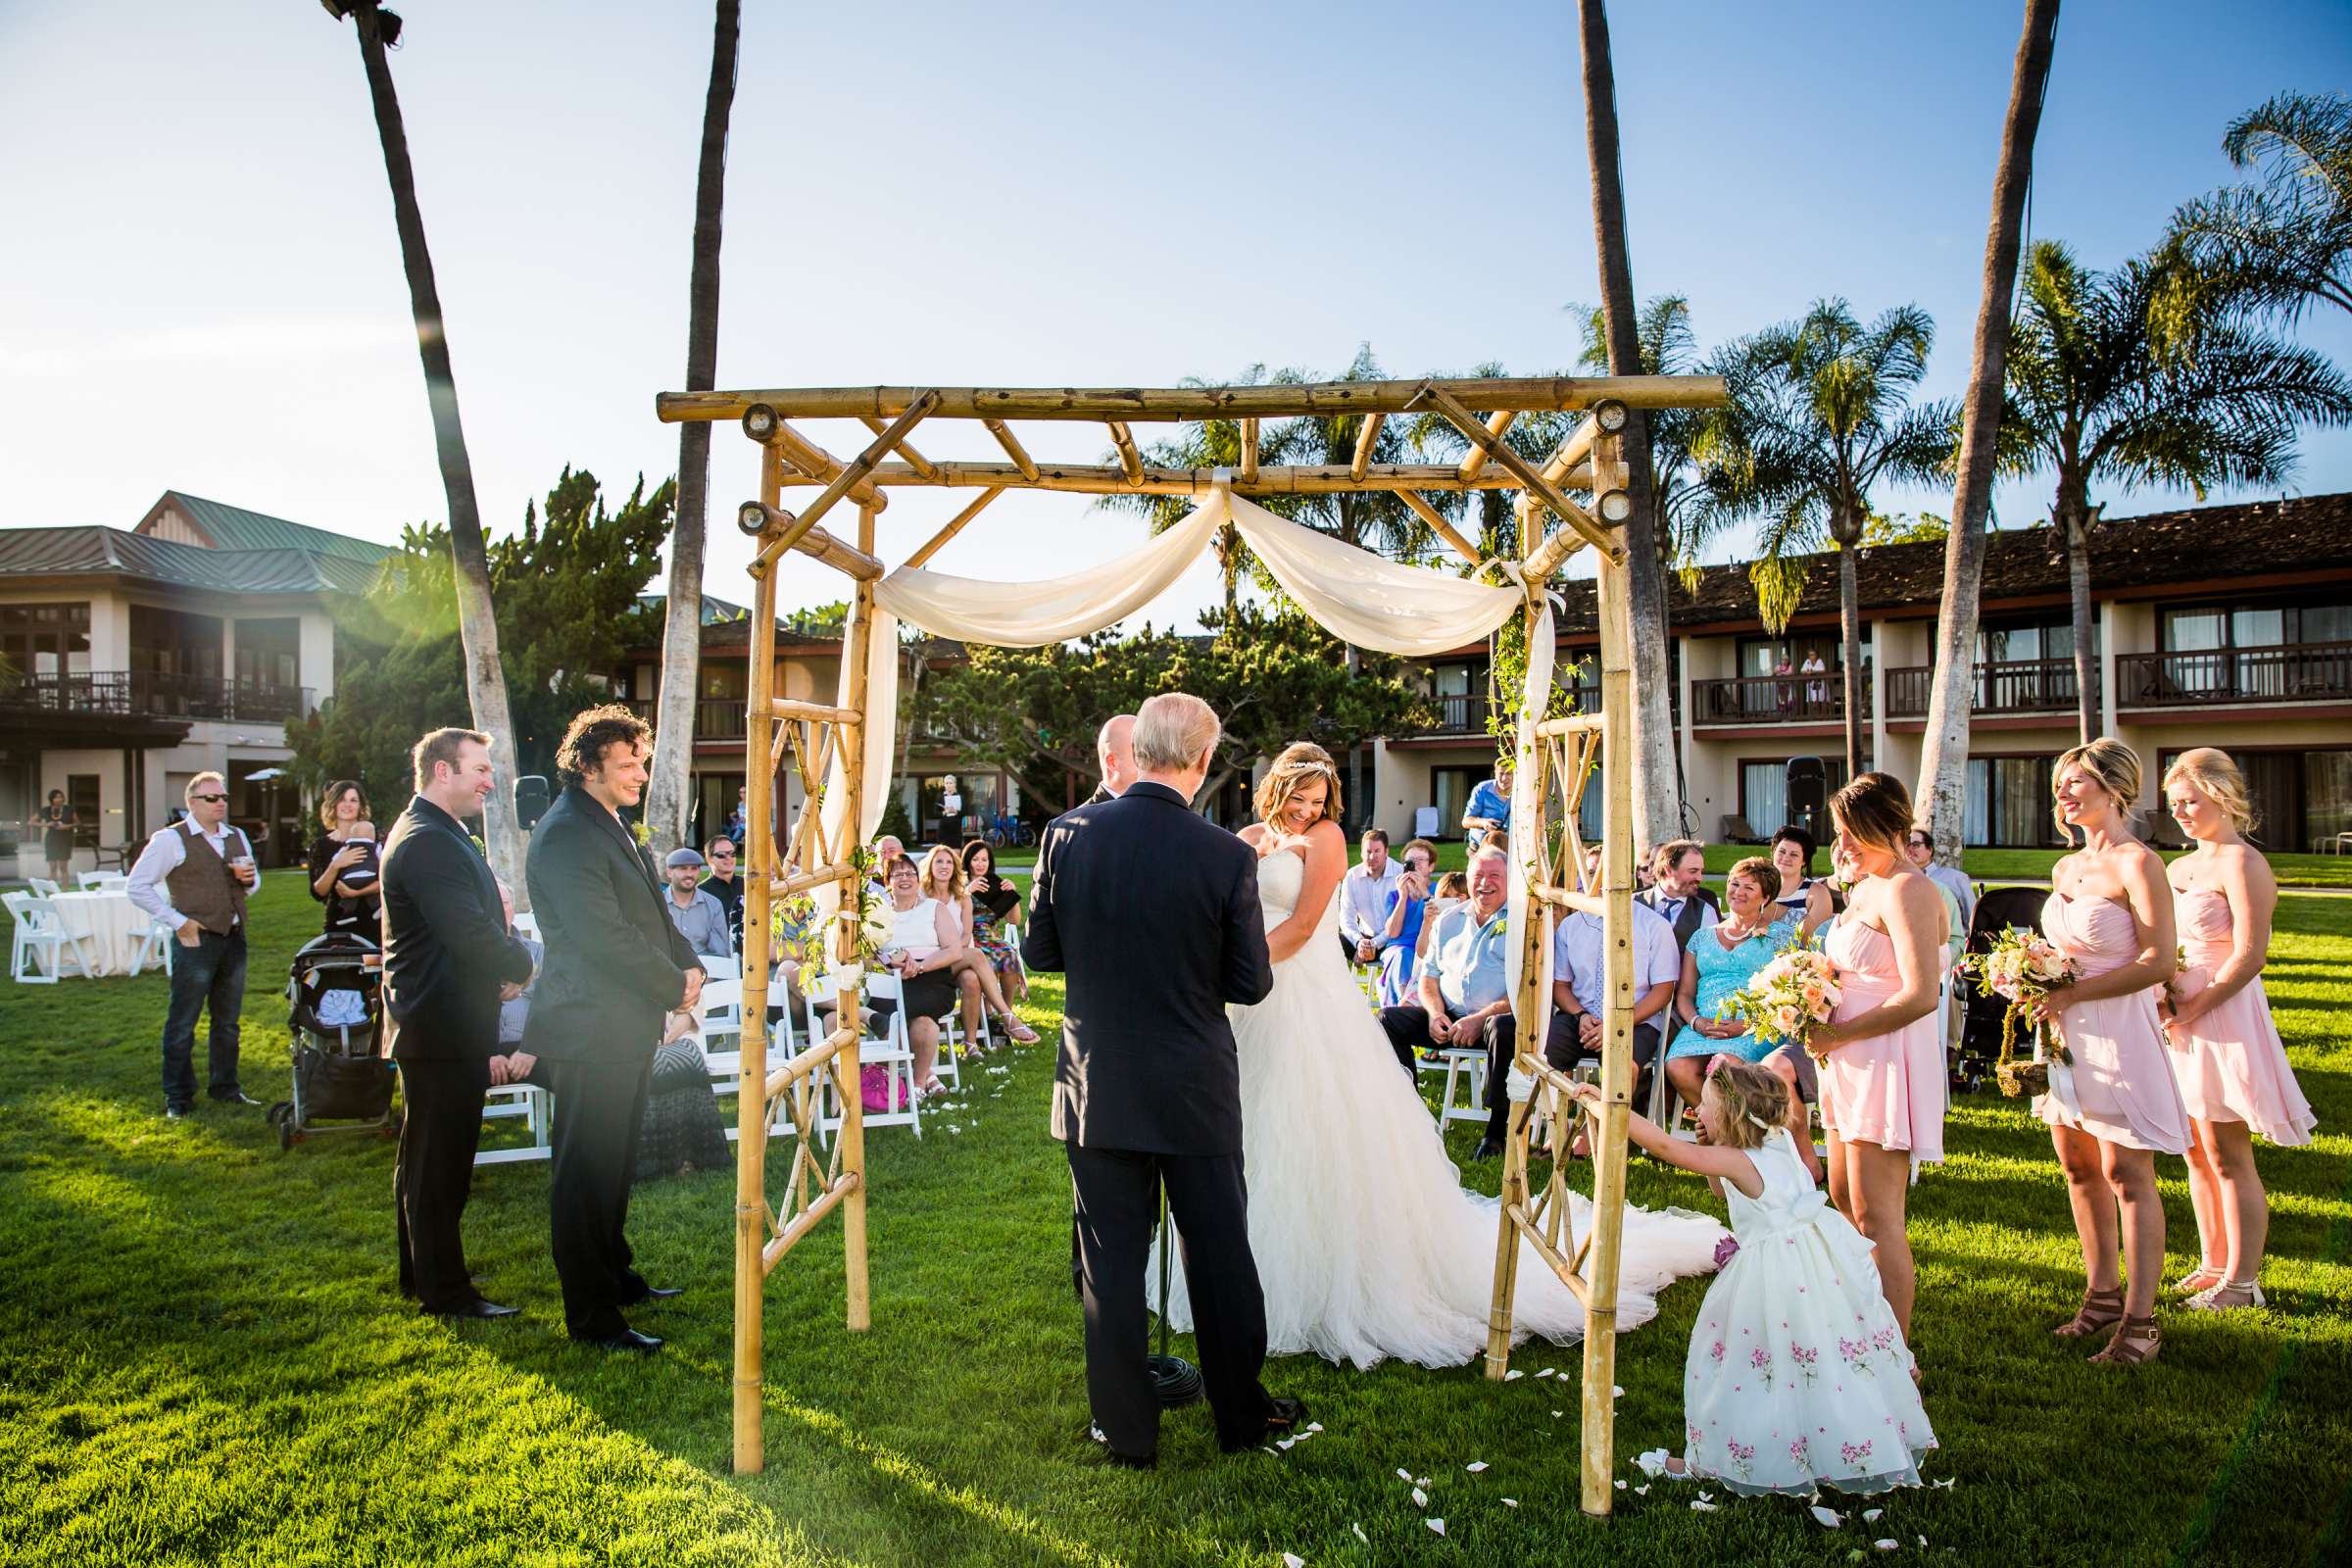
(1819, 415)
(2285, 240)
(565, 590)
(2093, 401)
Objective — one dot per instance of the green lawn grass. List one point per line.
(205, 1362)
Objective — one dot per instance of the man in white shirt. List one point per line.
(1577, 984)
(1921, 848)
(194, 876)
(700, 917)
(1364, 899)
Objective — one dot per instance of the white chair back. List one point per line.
(526, 924)
(101, 881)
(720, 966)
(42, 887)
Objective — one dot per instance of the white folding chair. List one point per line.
(1465, 1070)
(893, 1051)
(526, 924)
(719, 967)
(37, 932)
(101, 881)
(153, 946)
(722, 1012)
(537, 1108)
(42, 887)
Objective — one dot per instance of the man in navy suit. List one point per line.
(1153, 915)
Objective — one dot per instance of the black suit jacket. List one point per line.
(1685, 920)
(616, 963)
(447, 947)
(1154, 914)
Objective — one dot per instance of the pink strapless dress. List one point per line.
(1886, 1089)
(2230, 1064)
(2122, 1069)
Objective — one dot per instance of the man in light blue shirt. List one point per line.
(1465, 999)
(1489, 807)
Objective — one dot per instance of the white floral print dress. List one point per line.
(1797, 1377)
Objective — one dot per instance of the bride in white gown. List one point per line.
(1367, 1247)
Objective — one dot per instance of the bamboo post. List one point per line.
(1441, 527)
(1365, 440)
(751, 1100)
(1248, 452)
(852, 741)
(1517, 466)
(1617, 1023)
(1131, 462)
(954, 525)
(1021, 460)
(914, 460)
(1497, 423)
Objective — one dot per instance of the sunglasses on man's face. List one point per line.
(212, 800)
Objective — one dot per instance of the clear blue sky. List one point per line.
(199, 284)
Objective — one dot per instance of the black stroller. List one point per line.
(336, 988)
(1980, 1026)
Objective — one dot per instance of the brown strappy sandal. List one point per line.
(2136, 1343)
(2100, 1309)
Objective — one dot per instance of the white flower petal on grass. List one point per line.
(1291, 1559)
(1475, 1466)
(1703, 1505)
(1420, 1481)
(1404, 1476)
(1512, 1375)
(1510, 1502)
(1616, 1394)
(1437, 1525)
(1314, 1426)
(1871, 1515)
(1642, 1491)
(1620, 1486)
(1947, 1483)
(1557, 1414)
(1922, 1542)
(1284, 1443)
(1359, 1534)
(1546, 1373)
(1888, 1545)
(1420, 1498)
(1828, 1520)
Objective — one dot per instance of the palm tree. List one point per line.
(2286, 239)
(1370, 519)
(1205, 444)
(2093, 402)
(477, 626)
(667, 806)
(1819, 415)
(1943, 753)
(1657, 786)
(1689, 501)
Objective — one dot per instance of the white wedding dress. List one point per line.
(1367, 1247)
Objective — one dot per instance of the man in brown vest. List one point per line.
(193, 876)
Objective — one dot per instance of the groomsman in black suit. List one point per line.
(1147, 1089)
(615, 966)
(449, 960)
(1114, 753)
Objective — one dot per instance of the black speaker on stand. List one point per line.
(1809, 796)
(530, 800)
(1177, 1380)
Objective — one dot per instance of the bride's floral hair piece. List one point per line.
(1749, 1101)
(1300, 764)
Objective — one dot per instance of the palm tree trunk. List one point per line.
(2078, 587)
(1944, 756)
(1658, 792)
(477, 623)
(1850, 627)
(667, 804)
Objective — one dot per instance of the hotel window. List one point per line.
(2007, 803)
(45, 641)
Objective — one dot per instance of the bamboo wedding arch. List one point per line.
(829, 745)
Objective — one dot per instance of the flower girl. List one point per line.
(1797, 1377)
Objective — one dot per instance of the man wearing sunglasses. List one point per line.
(193, 877)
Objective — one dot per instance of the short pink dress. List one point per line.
(1886, 1089)
(2230, 1064)
(2122, 1074)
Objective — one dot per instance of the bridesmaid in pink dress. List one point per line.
(1881, 1052)
(2226, 1054)
(2113, 916)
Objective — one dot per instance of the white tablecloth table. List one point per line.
(106, 927)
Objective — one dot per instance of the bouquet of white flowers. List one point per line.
(1796, 990)
(2022, 969)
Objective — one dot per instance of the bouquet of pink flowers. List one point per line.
(1796, 990)
(2021, 968)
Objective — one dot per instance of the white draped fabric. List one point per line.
(1358, 596)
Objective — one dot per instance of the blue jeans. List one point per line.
(213, 971)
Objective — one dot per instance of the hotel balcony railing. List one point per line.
(145, 694)
(1773, 700)
(1466, 712)
(715, 718)
(2303, 672)
(2009, 686)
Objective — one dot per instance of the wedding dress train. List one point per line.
(1367, 1247)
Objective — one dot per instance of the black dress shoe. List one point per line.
(655, 1293)
(1284, 1416)
(235, 1096)
(1125, 1462)
(479, 1309)
(626, 1340)
(1487, 1148)
(177, 1112)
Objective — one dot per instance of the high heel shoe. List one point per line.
(2136, 1343)
(2204, 1277)
(2100, 1309)
(2230, 1296)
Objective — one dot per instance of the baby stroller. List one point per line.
(336, 986)
(1980, 1025)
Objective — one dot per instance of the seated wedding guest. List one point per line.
(722, 884)
(700, 918)
(1880, 1056)
(1579, 985)
(1400, 928)
(887, 849)
(683, 1131)
(1799, 1279)
(346, 869)
(1489, 814)
(1364, 894)
(1720, 961)
(1679, 892)
(1923, 860)
(925, 941)
(515, 1011)
(996, 911)
(1921, 848)
(2227, 1055)
(1804, 897)
(975, 973)
(1464, 999)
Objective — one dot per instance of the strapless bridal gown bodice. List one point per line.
(1366, 1244)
